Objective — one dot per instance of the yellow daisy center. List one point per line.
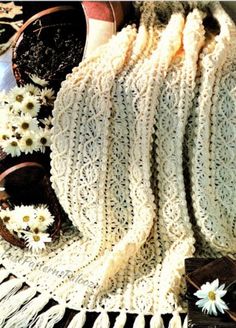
(26, 218)
(29, 142)
(36, 230)
(4, 137)
(43, 141)
(30, 105)
(25, 125)
(14, 144)
(36, 238)
(212, 296)
(6, 219)
(19, 98)
(41, 218)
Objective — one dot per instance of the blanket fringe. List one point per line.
(102, 321)
(79, 320)
(28, 313)
(121, 320)
(157, 321)
(3, 274)
(175, 321)
(49, 318)
(11, 305)
(139, 321)
(9, 288)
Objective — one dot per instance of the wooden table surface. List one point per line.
(197, 319)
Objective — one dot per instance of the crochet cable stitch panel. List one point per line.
(213, 152)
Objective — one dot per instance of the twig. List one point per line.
(53, 25)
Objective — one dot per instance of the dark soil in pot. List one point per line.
(49, 49)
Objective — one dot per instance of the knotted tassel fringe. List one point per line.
(185, 324)
(157, 321)
(121, 320)
(9, 288)
(49, 318)
(28, 313)
(78, 321)
(102, 321)
(175, 322)
(14, 303)
(139, 321)
(3, 274)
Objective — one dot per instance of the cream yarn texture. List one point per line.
(156, 102)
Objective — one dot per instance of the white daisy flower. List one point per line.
(17, 94)
(37, 80)
(47, 96)
(47, 122)
(5, 116)
(24, 216)
(11, 146)
(30, 105)
(5, 134)
(15, 108)
(12, 119)
(36, 241)
(32, 89)
(43, 218)
(26, 123)
(210, 296)
(44, 139)
(28, 143)
(8, 219)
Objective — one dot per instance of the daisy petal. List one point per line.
(222, 304)
(200, 294)
(222, 307)
(221, 287)
(207, 307)
(221, 293)
(201, 302)
(213, 308)
(215, 284)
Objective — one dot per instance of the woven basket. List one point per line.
(40, 192)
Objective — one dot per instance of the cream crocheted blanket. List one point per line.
(155, 102)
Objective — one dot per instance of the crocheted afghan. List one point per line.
(155, 105)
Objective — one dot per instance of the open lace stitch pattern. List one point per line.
(213, 156)
(117, 168)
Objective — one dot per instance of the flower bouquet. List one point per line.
(25, 137)
(24, 128)
(29, 224)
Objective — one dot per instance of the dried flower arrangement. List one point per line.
(21, 128)
(30, 224)
(49, 45)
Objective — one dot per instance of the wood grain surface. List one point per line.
(196, 318)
